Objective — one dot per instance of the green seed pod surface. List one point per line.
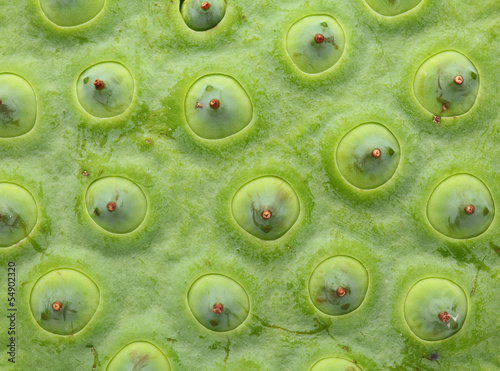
(315, 43)
(338, 285)
(116, 204)
(425, 303)
(217, 106)
(201, 15)
(110, 99)
(266, 207)
(64, 301)
(18, 214)
(461, 207)
(69, 13)
(18, 109)
(447, 84)
(139, 356)
(218, 302)
(334, 364)
(368, 156)
(392, 7)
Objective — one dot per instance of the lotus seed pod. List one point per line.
(116, 204)
(315, 43)
(368, 156)
(139, 355)
(334, 364)
(18, 214)
(447, 84)
(218, 302)
(202, 15)
(64, 301)
(392, 7)
(69, 13)
(266, 207)
(435, 308)
(105, 89)
(461, 207)
(217, 106)
(338, 285)
(17, 106)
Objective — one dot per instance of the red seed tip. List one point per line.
(111, 206)
(319, 38)
(376, 153)
(214, 103)
(99, 84)
(469, 209)
(266, 214)
(57, 305)
(459, 80)
(444, 317)
(341, 292)
(218, 308)
(205, 5)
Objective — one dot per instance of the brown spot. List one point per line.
(444, 317)
(99, 84)
(469, 209)
(1, 101)
(319, 38)
(436, 119)
(85, 173)
(205, 5)
(376, 153)
(111, 206)
(459, 80)
(266, 214)
(199, 105)
(57, 305)
(214, 103)
(218, 308)
(444, 106)
(341, 292)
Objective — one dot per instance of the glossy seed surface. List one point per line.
(392, 7)
(461, 207)
(218, 302)
(139, 355)
(266, 207)
(334, 364)
(69, 13)
(435, 309)
(78, 297)
(201, 15)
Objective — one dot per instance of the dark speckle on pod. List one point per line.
(315, 43)
(447, 84)
(461, 207)
(266, 207)
(218, 302)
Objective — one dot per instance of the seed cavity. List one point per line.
(99, 84)
(203, 16)
(319, 38)
(71, 13)
(139, 356)
(444, 317)
(459, 80)
(218, 308)
(57, 306)
(214, 103)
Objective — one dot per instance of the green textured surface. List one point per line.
(298, 121)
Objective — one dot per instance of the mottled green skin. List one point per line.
(139, 356)
(189, 231)
(426, 300)
(78, 295)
